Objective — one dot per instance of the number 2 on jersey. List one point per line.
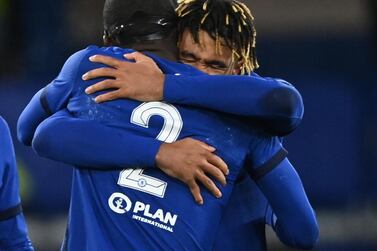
(134, 178)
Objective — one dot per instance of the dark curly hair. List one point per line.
(229, 20)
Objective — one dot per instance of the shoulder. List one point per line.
(72, 64)
(79, 62)
(84, 54)
(112, 51)
(78, 57)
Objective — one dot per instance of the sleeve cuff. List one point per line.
(151, 153)
(10, 212)
(44, 102)
(269, 165)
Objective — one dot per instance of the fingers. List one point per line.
(219, 163)
(209, 184)
(207, 147)
(197, 163)
(110, 61)
(195, 190)
(137, 57)
(215, 172)
(145, 61)
(101, 86)
(214, 159)
(101, 72)
(195, 143)
(108, 96)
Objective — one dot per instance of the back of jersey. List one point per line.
(145, 209)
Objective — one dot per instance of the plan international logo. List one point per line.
(121, 204)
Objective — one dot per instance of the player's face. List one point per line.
(203, 55)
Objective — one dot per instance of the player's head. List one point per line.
(146, 25)
(217, 36)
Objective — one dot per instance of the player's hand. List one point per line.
(192, 161)
(142, 80)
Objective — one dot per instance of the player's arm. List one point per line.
(275, 102)
(291, 214)
(13, 231)
(30, 118)
(13, 234)
(50, 99)
(92, 145)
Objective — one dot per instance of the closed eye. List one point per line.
(188, 57)
(215, 64)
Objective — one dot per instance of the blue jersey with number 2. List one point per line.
(146, 209)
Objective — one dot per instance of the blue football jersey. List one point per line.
(13, 231)
(139, 209)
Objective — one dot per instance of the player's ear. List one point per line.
(107, 41)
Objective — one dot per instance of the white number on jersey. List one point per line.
(172, 119)
(134, 178)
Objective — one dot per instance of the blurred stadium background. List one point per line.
(327, 48)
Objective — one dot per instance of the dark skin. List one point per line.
(144, 81)
(189, 57)
(147, 72)
(197, 162)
